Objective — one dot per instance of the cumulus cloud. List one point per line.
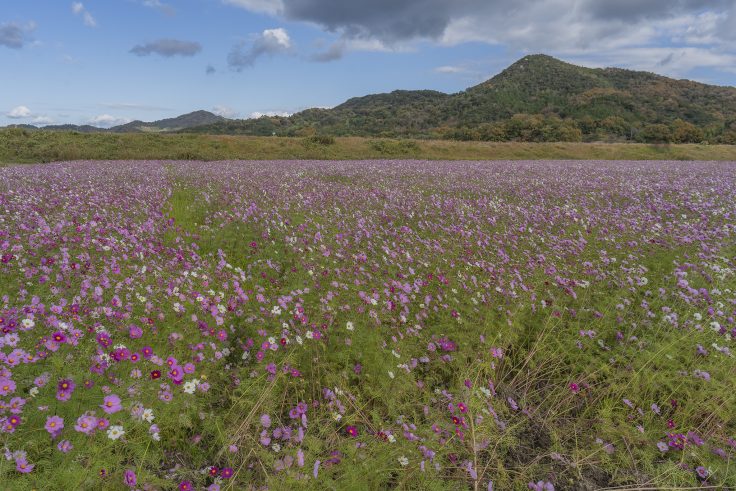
(268, 43)
(79, 9)
(225, 111)
(43, 120)
(167, 48)
(568, 28)
(23, 112)
(14, 35)
(107, 121)
(19, 112)
(258, 114)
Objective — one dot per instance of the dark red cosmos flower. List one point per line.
(214, 470)
(282, 341)
(455, 420)
(351, 431)
(156, 374)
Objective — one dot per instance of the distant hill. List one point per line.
(185, 121)
(538, 98)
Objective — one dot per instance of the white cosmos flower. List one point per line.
(28, 323)
(403, 461)
(148, 415)
(349, 326)
(114, 432)
(190, 386)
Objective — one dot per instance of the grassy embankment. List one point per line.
(19, 146)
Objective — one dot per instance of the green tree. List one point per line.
(655, 133)
(684, 132)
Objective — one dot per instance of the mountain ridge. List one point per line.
(536, 98)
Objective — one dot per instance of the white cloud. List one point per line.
(78, 9)
(43, 120)
(19, 112)
(225, 111)
(161, 6)
(449, 69)
(106, 121)
(600, 29)
(268, 43)
(271, 7)
(258, 114)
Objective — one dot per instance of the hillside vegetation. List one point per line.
(538, 98)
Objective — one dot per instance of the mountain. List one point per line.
(537, 98)
(189, 120)
(183, 122)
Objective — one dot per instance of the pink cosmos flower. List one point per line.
(111, 404)
(21, 465)
(54, 425)
(86, 424)
(7, 386)
(65, 446)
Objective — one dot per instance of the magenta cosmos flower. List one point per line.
(111, 404)
(129, 478)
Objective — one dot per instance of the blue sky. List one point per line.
(106, 62)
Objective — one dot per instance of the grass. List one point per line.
(20, 146)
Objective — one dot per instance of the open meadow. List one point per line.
(382, 324)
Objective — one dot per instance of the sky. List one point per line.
(107, 62)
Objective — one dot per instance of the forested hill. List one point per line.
(538, 98)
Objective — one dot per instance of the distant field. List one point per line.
(18, 146)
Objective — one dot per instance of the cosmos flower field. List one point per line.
(367, 325)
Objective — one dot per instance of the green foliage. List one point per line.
(556, 101)
(395, 147)
(26, 146)
(655, 133)
(320, 140)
